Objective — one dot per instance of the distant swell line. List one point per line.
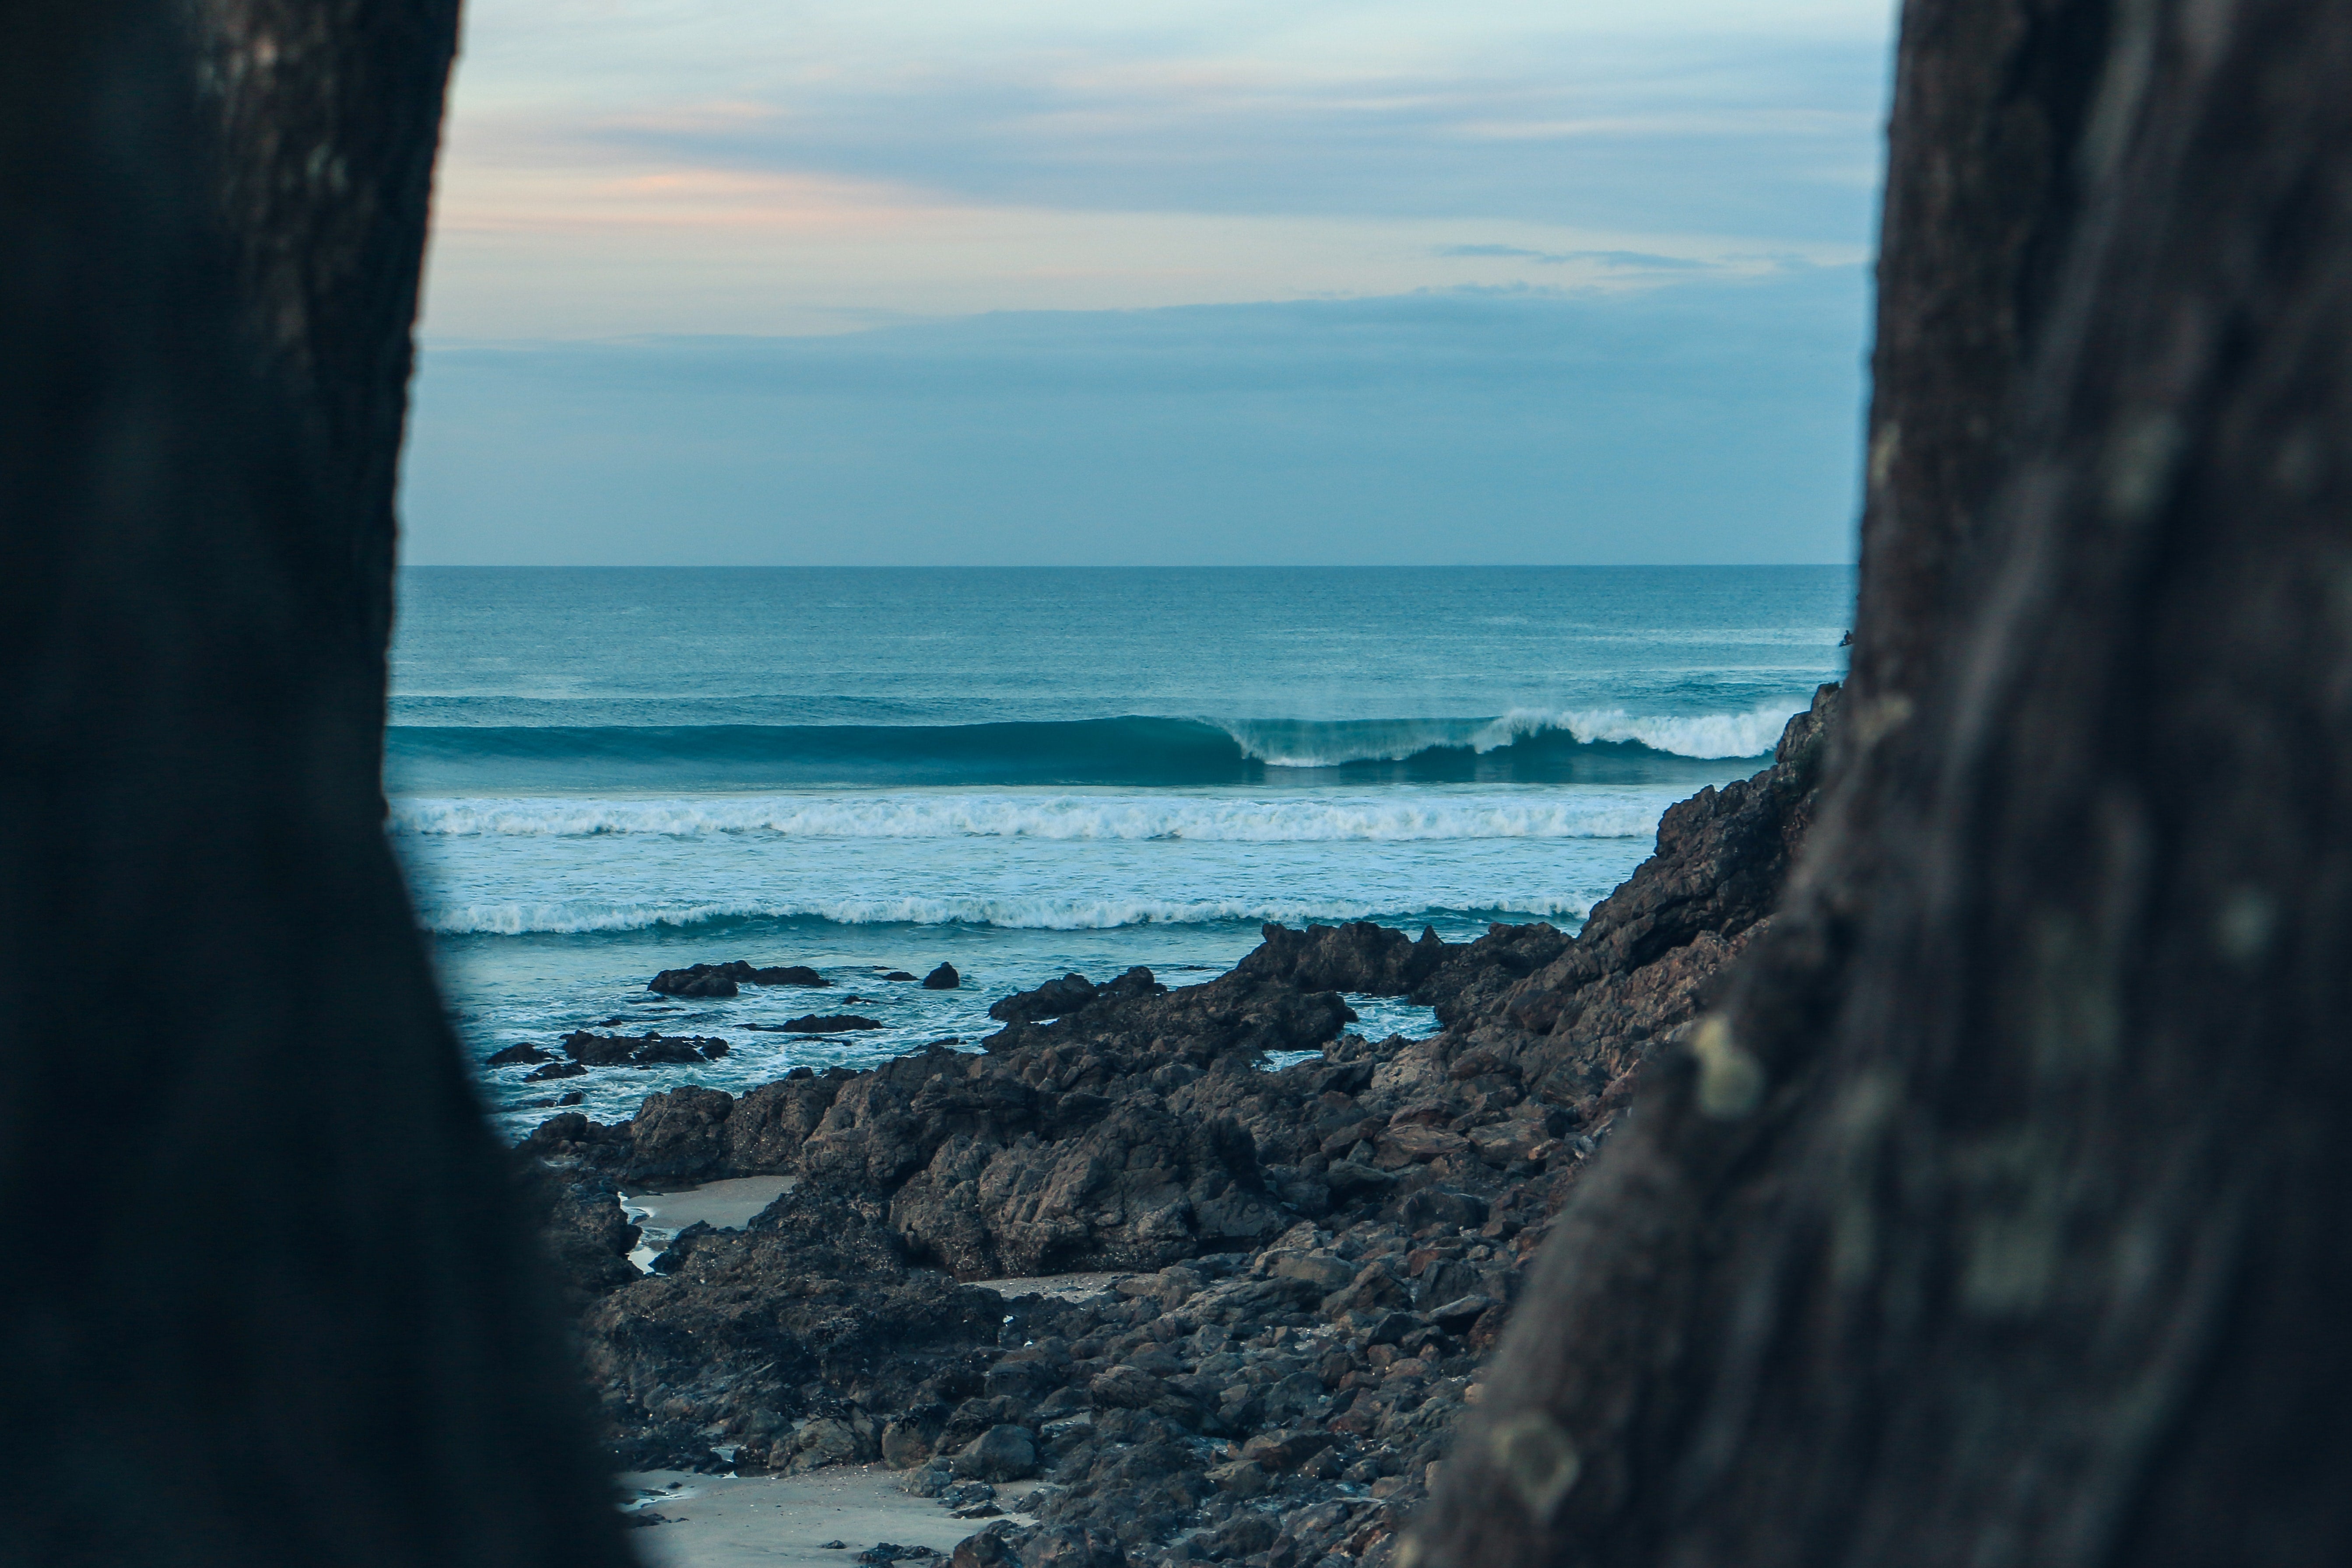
(1387, 820)
(1525, 745)
(1019, 914)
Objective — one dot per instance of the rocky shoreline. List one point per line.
(1309, 1263)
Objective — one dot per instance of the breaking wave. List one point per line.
(1523, 746)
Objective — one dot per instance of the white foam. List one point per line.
(1021, 914)
(1704, 735)
(1531, 815)
(1708, 736)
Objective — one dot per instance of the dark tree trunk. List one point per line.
(1997, 1215)
(1982, 189)
(272, 1299)
(326, 115)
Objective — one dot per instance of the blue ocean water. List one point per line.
(597, 773)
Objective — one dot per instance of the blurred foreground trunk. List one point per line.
(326, 115)
(272, 1301)
(1998, 1216)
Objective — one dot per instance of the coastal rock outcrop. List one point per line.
(943, 978)
(1306, 1265)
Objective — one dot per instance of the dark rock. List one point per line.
(719, 980)
(1051, 1000)
(787, 974)
(1141, 1189)
(830, 1024)
(680, 1135)
(1286, 1450)
(590, 1049)
(984, 1551)
(768, 1126)
(898, 974)
(1454, 1211)
(1456, 1316)
(569, 1096)
(943, 978)
(1361, 956)
(587, 1237)
(1005, 1452)
(513, 1055)
(555, 1069)
(1073, 1547)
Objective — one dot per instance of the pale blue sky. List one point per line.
(1491, 282)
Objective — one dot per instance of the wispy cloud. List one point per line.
(1632, 260)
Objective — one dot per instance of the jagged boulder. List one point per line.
(679, 1136)
(1368, 958)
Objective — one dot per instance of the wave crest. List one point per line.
(1710, 737)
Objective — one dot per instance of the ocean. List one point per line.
(597, 773)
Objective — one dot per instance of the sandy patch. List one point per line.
(1061, 1287)
(722, 1206)
(725, 1522)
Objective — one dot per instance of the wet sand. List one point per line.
(723, 1522)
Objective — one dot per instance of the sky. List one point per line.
(1039, 282)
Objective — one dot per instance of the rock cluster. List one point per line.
(727, 979)
(1308, 1263)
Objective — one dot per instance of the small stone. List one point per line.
(943, 978)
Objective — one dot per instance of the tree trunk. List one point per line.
(1997, 1214)
(326, 115)
(1981, 194)
(273, 1299)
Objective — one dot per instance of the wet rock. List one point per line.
(555, 1069)
(898, 974)
(830, 1024)
(1051, 1000)
(700, 980)
(719, 980)
(1005, 1452)
(650, 1049)
(515, 1055)
(943, 978)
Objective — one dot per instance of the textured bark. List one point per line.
(1997, 1216)
(277, 1302)
(1992, 97)
(328, 114)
